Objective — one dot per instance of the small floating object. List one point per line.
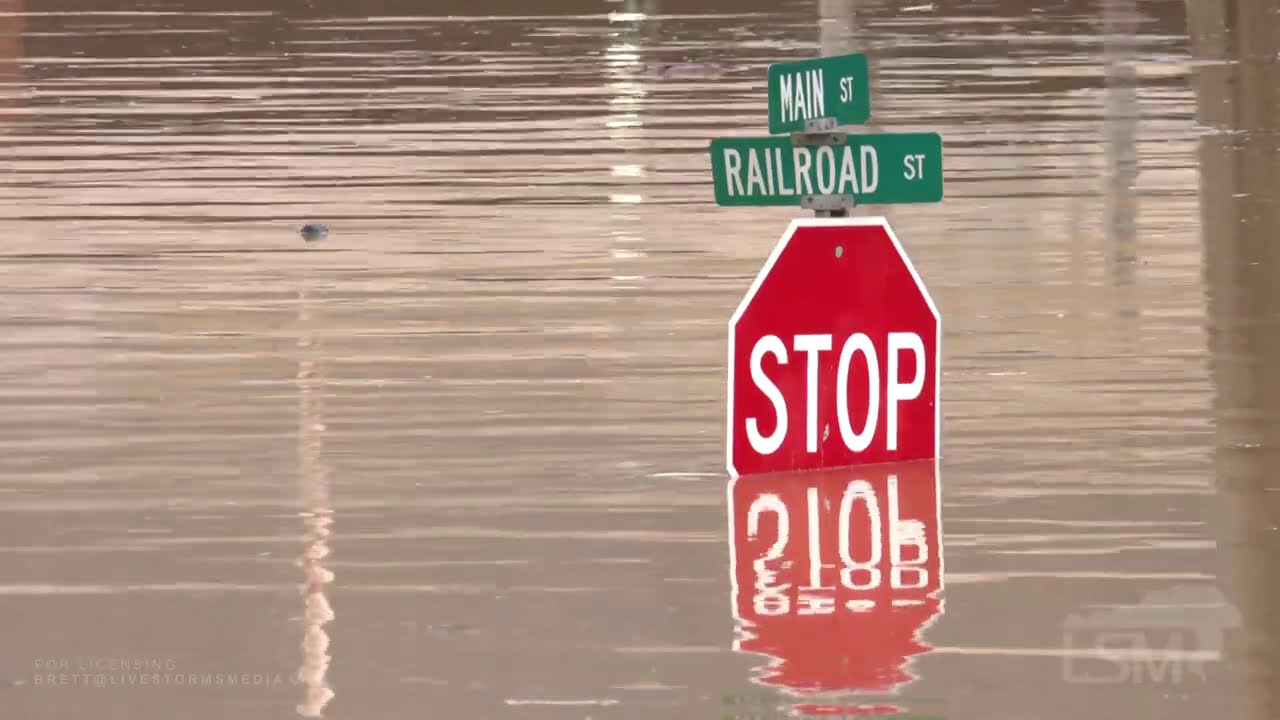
(312, 231)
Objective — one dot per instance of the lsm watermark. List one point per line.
(1165, 639)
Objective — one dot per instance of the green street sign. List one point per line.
(880, 168)
(831, 87)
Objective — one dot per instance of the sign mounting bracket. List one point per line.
(818, 132)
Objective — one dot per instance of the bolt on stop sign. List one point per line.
(833, 354)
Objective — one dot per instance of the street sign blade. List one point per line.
(835, 87)
(878, 168)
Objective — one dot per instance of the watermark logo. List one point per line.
(1165, 639)
(126, 672)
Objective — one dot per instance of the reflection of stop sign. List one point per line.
(833, 354)
(836, 574)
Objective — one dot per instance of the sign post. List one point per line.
(833, 399)
(834, 352)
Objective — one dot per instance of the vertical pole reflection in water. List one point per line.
(1120, 23)
(12, 52)
(11, 49)
(317, 517)
(624, 67)
(1237, 85)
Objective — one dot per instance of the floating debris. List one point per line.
(312, 232)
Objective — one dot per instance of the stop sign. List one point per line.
(833, 354)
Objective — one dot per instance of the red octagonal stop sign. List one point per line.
(833, 354)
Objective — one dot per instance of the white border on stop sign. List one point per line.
(855, 221)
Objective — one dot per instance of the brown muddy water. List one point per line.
(464, 457)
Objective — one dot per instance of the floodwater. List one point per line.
(464, 457)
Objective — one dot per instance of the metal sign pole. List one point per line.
(835, 36)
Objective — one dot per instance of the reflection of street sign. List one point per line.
(836, 87)
(836, 573)
(881, 168)
(833, 354)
